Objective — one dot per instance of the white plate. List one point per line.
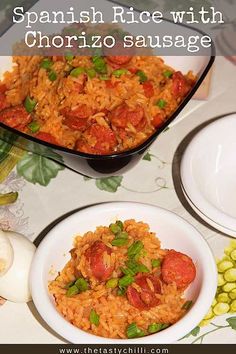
(208, 173)
(173, 231)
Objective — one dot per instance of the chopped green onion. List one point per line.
(135, 249)
(122, 234)
(94, 318)
(34, 126)
(52, 75)
(46, 64)
(161, 103)
(77, 71)
(128, 271)
(82, 284)
(99, 65)
(73, 290)
(155, 327)
(126, 280)
(119, 242)
(187, 305)
(142, 76)
(69, 284)
(165, 325)
(115, 228)
(168, 73)
(30, 104)
(119, 72)
(133, 331)
(69, 57)
(120, 224)
(104, 77)
(142, 268)
(91, 73)
(121, 291)
(112, 283)
(156, 263)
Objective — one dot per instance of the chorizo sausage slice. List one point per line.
(96, 256)
(178, 268)
(15, 117)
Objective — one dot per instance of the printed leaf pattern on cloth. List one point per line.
(232, 322)
(110, 184)
(38, 169)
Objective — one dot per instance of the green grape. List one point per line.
(233, 255)
(209, 315)
(223, 297)
(233, 306)
(221, 280)
(228, 287)
(232, 294)
(230, 275)
(224, 265)
(214, 303)
(221, 308)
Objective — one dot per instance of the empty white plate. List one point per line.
(208, 174)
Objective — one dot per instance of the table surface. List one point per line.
(37, 206)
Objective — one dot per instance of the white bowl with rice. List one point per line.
(173, 233)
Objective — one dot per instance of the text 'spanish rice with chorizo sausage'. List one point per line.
(119, 283)
(101, 104)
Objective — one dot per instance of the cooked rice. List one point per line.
(115, 312)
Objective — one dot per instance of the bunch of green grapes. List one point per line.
(225, 299)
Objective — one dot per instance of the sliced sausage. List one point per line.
(181, 86)
(119, 55)
(105, 139)
(95, 255)
(178, 268)
(158, 120)
(148, 89)
(15, 117)
(144, 299)
(122, 114)
(46, 137)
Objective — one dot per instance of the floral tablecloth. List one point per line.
(46, 191)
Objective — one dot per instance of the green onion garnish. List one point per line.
(69, 57)
(46, 64)
(135, 249)
(99, 65)
(52, 75)
(119, 72)
(156, 263)
(104, 77)
(73, 290)
(134, 267)
(126, 280)
(167, 73)
(142, 76)
(30, 104)
(117, 227)
(133, 331)
(91, 73)
(161, 103)
(156, 327)
(119, 242)
(94, 317)
(77, 71)
(121, 291)
(112, 283)
(34, 126)
(82, 284)
(69, 284)
(187, 305)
